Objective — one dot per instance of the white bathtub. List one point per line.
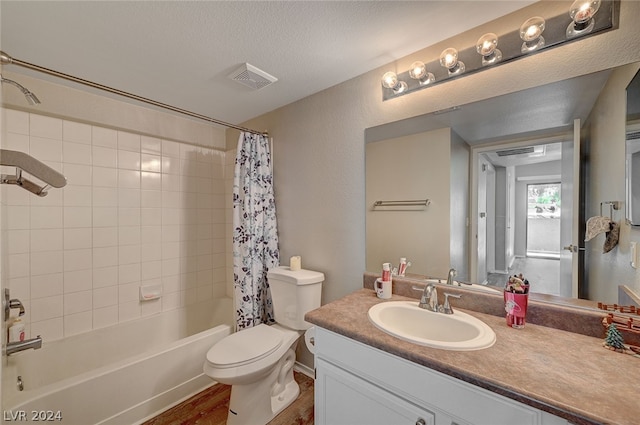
(122, 374)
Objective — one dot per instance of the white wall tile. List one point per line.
(129, 273)
(77, 196)
(128, 141)
(78, 238)
(76, 153)
(16, 142)
(45, 149)
(136, 210)
(77, 174)
(79, 280)
(105, 236)
(105, 197)
(46, 262)
(150, 162)
(105, 216)
(104, 297)
(103, 317)
(41, 126)
(18, 241)
(77, 302)
(76, 132)
(18, 265)
(150, 145)
(128, 311)
(129, 179)
(128, 160)
(129, 216)
(104, 137)
(16, 121)
(151, 181)
(49, 330)
(105, 177)
(48, 285)
(46, 308)
(78, 259)
(104, 157)
(105, 276)
(77, 217)
(129, 235)
(78, 323)
(105, 257)
(171, 149)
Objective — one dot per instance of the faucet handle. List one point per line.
(446, 306)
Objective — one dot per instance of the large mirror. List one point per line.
(633, 151)
(503, 192)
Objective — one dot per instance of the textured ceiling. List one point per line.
(181, 52)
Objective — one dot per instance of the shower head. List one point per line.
(31, 98)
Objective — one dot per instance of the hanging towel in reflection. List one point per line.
(612, 237)
(597, 225)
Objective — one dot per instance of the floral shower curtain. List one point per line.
(255, 236)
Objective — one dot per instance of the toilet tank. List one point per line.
(294, 293)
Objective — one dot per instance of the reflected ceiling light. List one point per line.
(582, 13)
(487, 46)
(419, 72)
(390, 81)
(531, 34)
(449, 60)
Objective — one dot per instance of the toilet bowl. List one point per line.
(258, 362)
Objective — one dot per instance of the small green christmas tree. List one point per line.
(614, 338)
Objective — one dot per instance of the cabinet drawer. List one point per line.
(344, 399)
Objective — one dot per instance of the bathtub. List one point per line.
(122, 374)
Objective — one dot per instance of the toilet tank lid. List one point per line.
(298, 277)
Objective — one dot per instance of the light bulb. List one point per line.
(390, 81)
(419, 72)
(449, 60)
(531, 34)
(582, 13)
(487, 47)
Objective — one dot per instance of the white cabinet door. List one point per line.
(344, 399)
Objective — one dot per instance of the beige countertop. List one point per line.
(564, 373)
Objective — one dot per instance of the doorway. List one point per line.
(520, 206)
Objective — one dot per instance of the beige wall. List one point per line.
(406, 168)
(319, 140)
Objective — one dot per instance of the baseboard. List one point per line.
(302, 368)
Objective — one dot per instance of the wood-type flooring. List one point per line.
(210, 406)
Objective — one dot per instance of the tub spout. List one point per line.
(15, 347)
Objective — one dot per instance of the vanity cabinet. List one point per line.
(358, 384)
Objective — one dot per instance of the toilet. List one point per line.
(258, 362)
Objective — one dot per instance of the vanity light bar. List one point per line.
(554, 31)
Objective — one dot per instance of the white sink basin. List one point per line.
(458, 331)
(473, 286)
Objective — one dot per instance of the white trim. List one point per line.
(550, 177)
(302, 368)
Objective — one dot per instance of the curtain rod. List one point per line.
(6, 59)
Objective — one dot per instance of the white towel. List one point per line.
(597, 225)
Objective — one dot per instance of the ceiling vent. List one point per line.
(252, 77)
(516, 151)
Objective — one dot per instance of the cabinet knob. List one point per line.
(420, 421)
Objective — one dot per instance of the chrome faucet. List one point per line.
(15, 347)
(452, 273)
(429, 298)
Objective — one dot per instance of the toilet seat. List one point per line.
(246, 346)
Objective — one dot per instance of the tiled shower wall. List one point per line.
(136, 211)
